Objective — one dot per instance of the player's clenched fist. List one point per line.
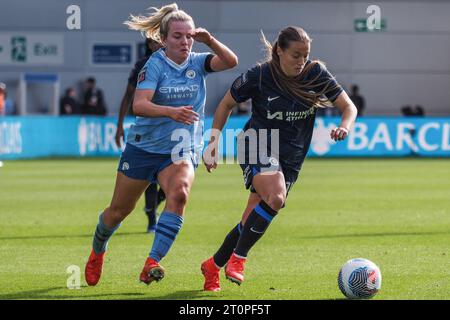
(210, 157)
(339, 134)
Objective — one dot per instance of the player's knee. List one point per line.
(118, 213)
(276, 200)
(179, 195)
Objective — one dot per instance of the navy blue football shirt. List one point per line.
(273, 108)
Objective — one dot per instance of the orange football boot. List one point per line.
(152, 271)
(212, 275)
(234, 270)
(93, 269)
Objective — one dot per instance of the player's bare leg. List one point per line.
(271, 189)
(126, 194)
(176, 181)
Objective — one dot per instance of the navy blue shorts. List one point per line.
(251, 165)
(138, 164)
(251, 170)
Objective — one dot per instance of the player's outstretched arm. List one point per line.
(349, 112)
(144, 107)
(224, 58)
(223, 112)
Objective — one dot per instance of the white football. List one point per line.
(359, 279)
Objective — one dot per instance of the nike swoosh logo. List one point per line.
(270, 99)
(251, 229)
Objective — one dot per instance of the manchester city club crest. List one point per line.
(190, 74)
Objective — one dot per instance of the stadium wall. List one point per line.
(406, 63)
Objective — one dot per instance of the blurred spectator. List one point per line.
(357, 99)
(420, 112)
(406, 111)
(94, 102)
(417, 111)
(68, 104)
(6, 105)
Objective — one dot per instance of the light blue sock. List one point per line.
(169, 224)
(102, 235)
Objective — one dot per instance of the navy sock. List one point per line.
(255, 226)
(102, 235)
(169, 224)
(151, 199)
(226, 249)
(161, 196)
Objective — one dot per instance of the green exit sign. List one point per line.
(360, 25)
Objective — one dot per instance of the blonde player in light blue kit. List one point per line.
(170, 97)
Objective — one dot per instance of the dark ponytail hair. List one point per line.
(297, 86)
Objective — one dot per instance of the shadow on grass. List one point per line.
(181, 295)
(47, 294)
(69, 236)
(331, 236)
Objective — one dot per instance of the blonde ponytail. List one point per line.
(267, 47)
(156, 25)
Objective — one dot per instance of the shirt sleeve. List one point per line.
(148, 76)
(245, 86)
(327, 80)
(201, 60)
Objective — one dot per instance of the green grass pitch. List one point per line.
(393, 212)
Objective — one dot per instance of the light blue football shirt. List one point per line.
(174, 85)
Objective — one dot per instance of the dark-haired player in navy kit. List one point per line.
(286, 91)
(153, 196)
